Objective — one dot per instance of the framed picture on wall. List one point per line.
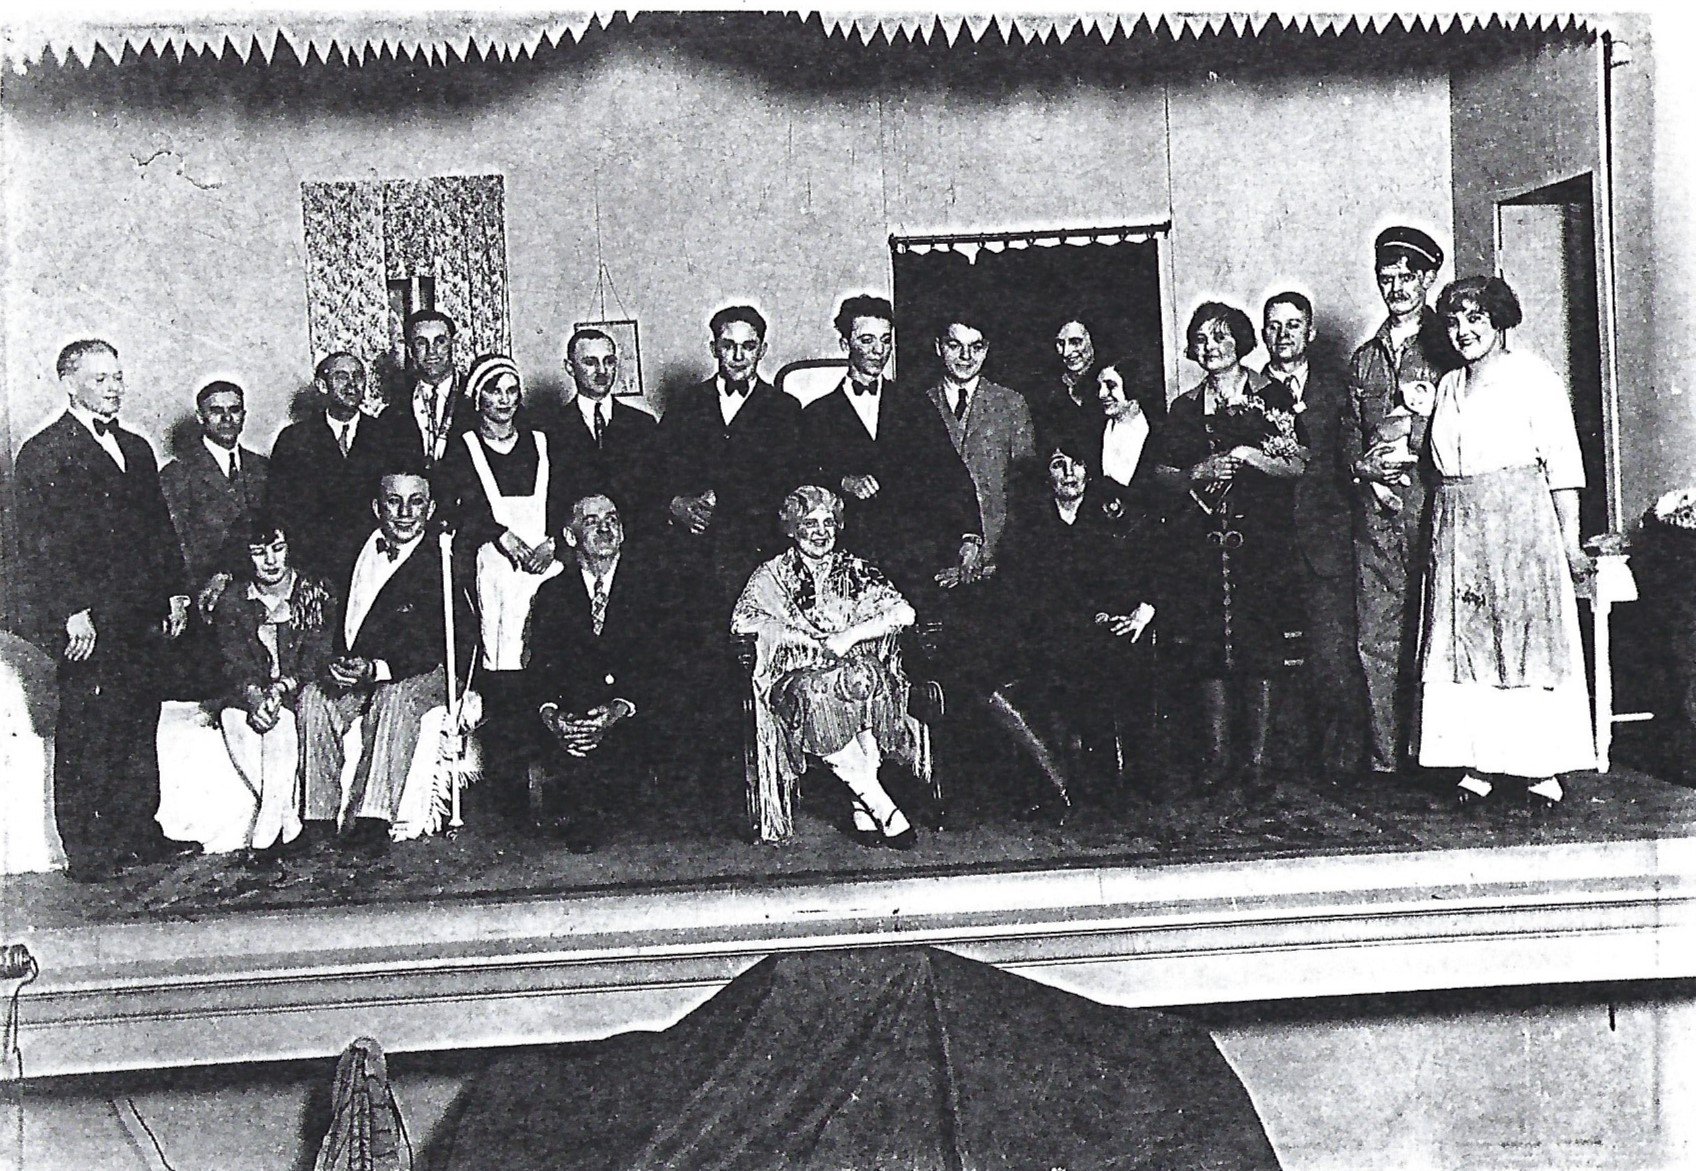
(625, 338)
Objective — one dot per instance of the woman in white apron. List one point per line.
(503, 480)
(1503, 688)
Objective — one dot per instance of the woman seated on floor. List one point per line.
(827, 677)
(274, 633)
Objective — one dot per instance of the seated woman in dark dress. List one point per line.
(1081, 572)
(275, 629)
(1233, 437)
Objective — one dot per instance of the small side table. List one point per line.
(1612, 584)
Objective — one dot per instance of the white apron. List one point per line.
(505, 592)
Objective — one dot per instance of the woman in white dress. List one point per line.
(1503, 689)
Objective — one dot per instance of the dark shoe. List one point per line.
(368, 838)
(166, 850)
(905, 840)
(315, 835)
(268, 858)
(90, 870)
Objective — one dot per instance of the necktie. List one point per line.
(735, 389)
(598, 606)
(344, 437)
(388, 548)
(235, 468)
(960, 403)
(104, 426)
(600, 422)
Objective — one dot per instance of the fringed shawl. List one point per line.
(788, 612)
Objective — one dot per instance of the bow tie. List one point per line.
(104, 426)
(863, 388)
(736, 389)
(388, 548)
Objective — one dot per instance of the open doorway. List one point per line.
(1024, 286)
(1546, 249)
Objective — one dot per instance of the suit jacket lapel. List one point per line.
(956, 431)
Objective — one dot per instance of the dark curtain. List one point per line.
(1023, 295)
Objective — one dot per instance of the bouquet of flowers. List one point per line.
(1265, 423)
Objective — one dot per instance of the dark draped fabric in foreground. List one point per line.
(868, 1059)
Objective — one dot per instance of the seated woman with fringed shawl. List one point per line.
(827, 676)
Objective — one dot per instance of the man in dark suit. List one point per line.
(605, 445)
(729, 450)
(214, 489)
(106, 588)
(323, 472)
(1068, 404)
(988, 424)
(910, 506)
(598, 645)
(417, 427)
(1332, 739)
(389, 668)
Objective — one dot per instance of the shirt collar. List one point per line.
(586, 405)
(220, 455)
(850, 387)
(1297, 375)
(968, 388)
(590, 575)
(85, 417)
(753, 383)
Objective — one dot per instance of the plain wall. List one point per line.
(1526, 116)
(704, 160)
(1550, 1079)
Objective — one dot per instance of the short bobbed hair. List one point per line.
(802, 502)
(1490, 293)
(264, 527)
(1242, 329)
(1143, 384)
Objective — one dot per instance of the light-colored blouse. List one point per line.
(1514, 413)
(1122, 441)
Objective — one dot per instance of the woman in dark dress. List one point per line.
(1233, 438)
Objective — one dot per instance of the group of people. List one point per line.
(1400, 538)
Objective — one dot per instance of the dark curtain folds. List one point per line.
(873, 1058)
(1023, 295)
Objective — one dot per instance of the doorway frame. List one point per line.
(1602, 230)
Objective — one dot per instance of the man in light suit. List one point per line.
(611, 452)
(417, 428)
(323, 472)
(910, 509)
(105, 589)
(989, 425)
(389, 668)
(599, 646)
(214, 489)
(1334, 730)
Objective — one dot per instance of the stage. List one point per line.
(492, 939)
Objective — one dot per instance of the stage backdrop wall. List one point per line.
(158, 204)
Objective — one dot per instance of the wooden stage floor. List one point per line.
(654, 849)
